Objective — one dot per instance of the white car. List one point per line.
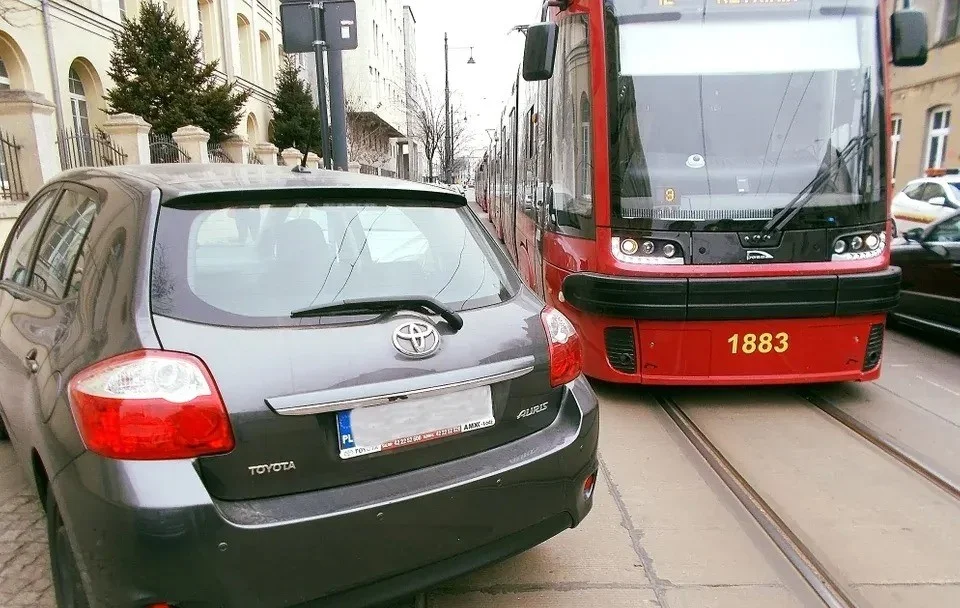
(926, 200)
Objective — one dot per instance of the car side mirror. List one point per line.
(938, 200)
(908, 38)
(914, 234)
(540, 51)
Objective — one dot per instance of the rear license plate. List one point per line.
(405, 423)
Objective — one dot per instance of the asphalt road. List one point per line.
(666, 532)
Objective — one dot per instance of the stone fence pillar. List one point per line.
(291, 157)
(313, 161)
(132, 134)
(354, 166)
(266, 152)
(237, 148)
(27, 116)
(194, 141)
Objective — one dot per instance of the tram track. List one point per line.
(883, 442)
(816, 575)
(819, 568)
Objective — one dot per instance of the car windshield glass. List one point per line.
(252, 266)
(726, 111)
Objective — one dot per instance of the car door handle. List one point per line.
(31, 361)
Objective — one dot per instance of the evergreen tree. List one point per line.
(296, 119)
(159, 74)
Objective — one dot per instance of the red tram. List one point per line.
(701, 186)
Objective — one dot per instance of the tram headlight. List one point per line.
(629, 246)
(647, 252)
(858, 246)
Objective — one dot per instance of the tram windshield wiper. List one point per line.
(790, 211)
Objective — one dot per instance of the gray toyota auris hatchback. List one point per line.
(242, 386)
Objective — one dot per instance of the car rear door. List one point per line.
(287, 383)
(18, 310)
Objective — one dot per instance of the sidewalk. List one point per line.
(24, 562)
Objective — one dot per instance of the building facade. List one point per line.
(65, 56)
(59, 52)
(412, 161)
(926, 98)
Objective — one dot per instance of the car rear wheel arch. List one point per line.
(69, 590)
(40, 478)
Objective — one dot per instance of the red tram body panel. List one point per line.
(704, 213)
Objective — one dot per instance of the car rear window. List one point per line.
(956, 187)
(230, 264)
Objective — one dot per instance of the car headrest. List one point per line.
(301, 239)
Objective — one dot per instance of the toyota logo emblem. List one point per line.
(416, 339)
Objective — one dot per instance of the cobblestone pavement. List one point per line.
(24, 563)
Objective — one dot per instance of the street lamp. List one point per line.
(448, 140)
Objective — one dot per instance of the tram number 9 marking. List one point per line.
(749, 344)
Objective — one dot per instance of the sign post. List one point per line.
(324, 26)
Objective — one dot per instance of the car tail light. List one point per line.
(150, 405)
(566, 354)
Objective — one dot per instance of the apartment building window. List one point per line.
(123, 9)
(78, 103)
(266, 61)
(937, 137)
(208, 30)
(4, 77)
(896, 129)
(951, 19)
(376, 39)
(246, 52)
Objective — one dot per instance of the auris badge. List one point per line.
(416, 339)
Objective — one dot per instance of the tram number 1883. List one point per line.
(750, 344)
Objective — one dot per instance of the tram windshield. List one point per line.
(730, 110)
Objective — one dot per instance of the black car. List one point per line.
(930, 259)
(238, 386)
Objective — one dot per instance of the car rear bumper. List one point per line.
(149, 532)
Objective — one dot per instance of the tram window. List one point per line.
(571, 210)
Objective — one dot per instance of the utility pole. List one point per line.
(338, 111)
(324, 26)
(448, 139)
(318, 45)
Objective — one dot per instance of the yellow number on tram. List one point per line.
(764, 344)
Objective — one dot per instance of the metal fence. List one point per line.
(11, 179)
(388, 173)
(368, 170)
(217, 154)
(253, 159)
(164, 150)
(86, 149)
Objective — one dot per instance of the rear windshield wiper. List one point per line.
(382, 305)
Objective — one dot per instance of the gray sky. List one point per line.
(484, 26)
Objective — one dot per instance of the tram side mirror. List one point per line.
(540, 52)
(908, 32)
